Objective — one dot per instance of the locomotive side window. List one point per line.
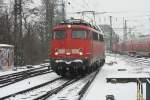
(101, 37)
(59, 34)
(79, 34)
(88, 35)
(95, 36)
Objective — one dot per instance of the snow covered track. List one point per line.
(76, 90)
(30, 89)
(56, 90)
(6, 80)
(55, 86)
(87, 85)
(139, 65)
(143, 61)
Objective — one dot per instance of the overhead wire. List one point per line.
(85, 5)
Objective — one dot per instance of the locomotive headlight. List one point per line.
(81, 53)
(56, 53)
(68, 53)
(69, 26)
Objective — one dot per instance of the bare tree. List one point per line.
(32, 46)
(36, 25)
(5, 24)
(31, 30)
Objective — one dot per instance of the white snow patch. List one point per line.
(27, 83)
(121, 91)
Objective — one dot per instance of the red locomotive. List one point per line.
(76, 48)
(140, 47)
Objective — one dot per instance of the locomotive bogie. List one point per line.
(74, 67)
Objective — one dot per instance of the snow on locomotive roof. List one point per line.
(75, 21)
(80, 22)
(6, 45)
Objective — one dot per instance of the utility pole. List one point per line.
(63, 10)
(125, 30)
(60, 11)
(18, 32)
(111, 33)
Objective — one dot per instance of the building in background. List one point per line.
(109, 36)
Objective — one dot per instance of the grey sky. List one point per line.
(137, 12)
(109, 5)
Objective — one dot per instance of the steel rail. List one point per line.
(56, 90)
(30, 89)
(87, 85)
(25, 75)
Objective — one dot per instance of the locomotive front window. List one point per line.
(79, 34)
(59, 35)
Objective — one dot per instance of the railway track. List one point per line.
(56, 90)
(6, 80)
(74, 91)
(13, 95)
(86, 86)
(142, 60)
(140, 65)
(46, 90)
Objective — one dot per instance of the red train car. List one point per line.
(140, 47)
(76, 48)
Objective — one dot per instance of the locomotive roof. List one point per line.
(79, 22)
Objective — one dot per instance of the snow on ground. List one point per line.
(19, 69)
(38, 92)
(27, 83)
(71, 92)
(100, 88)
(10, 72)
(121, 91)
